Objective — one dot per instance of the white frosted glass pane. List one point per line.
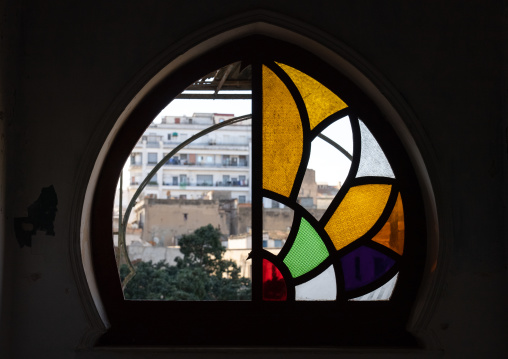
(373, 161)
(322, 287)
(382, 293)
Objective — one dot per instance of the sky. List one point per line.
(180, 107)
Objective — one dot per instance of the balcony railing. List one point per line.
(208, 143)
(207, 184)
(157, 144)
(206, 164)
(232, 184)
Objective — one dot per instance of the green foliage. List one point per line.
(202, 273)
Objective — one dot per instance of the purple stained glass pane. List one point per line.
(363, 266)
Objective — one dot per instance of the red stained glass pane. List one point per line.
(274, 286)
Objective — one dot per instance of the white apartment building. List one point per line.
(216, 165)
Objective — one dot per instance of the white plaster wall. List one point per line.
(154, 254)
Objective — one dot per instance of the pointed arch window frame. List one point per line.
(324, 323)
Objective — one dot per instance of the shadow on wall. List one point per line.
(41, 215)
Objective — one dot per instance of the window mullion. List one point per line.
(257, 182)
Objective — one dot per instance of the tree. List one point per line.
(202, 273)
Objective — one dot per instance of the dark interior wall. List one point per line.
(65, 64)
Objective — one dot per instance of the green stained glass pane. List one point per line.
(307, 252)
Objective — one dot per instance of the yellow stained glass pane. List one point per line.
(282, 135)
(357, 213)
(319, 100)
(392, 233)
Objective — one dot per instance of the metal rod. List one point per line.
(336, 145)
(196, 96)
(224, 77)
(120, 221)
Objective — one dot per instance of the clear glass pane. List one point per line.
(188, 234)
(277, 222)
(340, 132)
(327, 169)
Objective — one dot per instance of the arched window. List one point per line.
(346, 276)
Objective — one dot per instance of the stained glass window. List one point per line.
(351, 248)
(345, 236)
(346, 256)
